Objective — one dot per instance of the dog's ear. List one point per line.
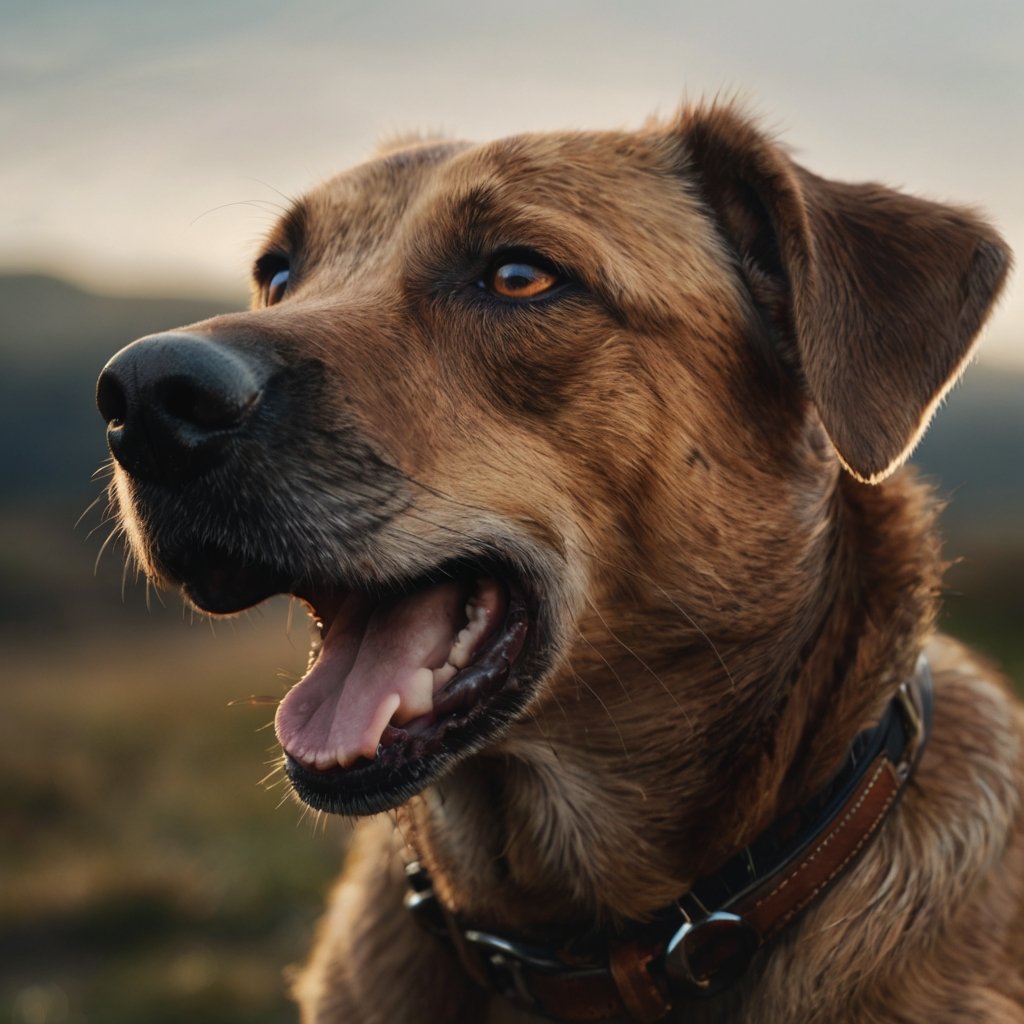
(881, 294)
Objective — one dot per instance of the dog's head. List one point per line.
(507, 417)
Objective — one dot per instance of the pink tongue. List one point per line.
(375, 665)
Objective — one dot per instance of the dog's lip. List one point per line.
(221, 582)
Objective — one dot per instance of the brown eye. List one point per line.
(516, 280)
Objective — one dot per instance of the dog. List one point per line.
(585, 453)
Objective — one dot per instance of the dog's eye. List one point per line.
(276, 287)
(518, 279)
(271, 274)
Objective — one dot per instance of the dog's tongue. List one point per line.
(378, 662)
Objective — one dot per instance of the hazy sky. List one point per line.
(148, 145)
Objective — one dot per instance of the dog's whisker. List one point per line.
(152, 591)
(124, 582)
(88, 508)
(399, 824)
(105, 521)
(259, 204)
(316, 825)
(600, 700)
(106, 468)
(289, 200)
(647, 668)
(690, 619)
(273, 778)
(558, 704)
(625, 691)
(290, 619)
(103, 547)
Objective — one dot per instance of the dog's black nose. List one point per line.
(174, 403)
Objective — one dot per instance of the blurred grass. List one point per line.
(984, 599)
(147, 876)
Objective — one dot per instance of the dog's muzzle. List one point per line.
(236, 484)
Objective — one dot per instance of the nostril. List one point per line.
(111, 400)
(196, 402)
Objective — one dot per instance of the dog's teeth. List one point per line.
(419, 696)
(484, 599)
(481, 609)
(458, 656)
(445, 674)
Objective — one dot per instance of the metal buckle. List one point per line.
(522, 952)
(713, 953)
(421, 901)
(508, 959)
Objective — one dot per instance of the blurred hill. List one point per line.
(54, 340)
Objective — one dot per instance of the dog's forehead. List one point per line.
(589, 174)
(566, 166)
(364, 202)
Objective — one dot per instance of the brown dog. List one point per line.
(582, 451)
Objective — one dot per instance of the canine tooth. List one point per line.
(421, 693)
(417, 697)
(445, 674)
(459, 654)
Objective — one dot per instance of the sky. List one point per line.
(148, 147)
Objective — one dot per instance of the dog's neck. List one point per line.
(651, 763)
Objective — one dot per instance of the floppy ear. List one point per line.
(882, 294)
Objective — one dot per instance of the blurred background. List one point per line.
(145, 871)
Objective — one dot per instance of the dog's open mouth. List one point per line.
(402, 681)
(398, 684)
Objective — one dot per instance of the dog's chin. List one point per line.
(368, 726)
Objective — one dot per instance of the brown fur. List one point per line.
(682, 449)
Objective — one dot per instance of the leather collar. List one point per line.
(703, 942)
